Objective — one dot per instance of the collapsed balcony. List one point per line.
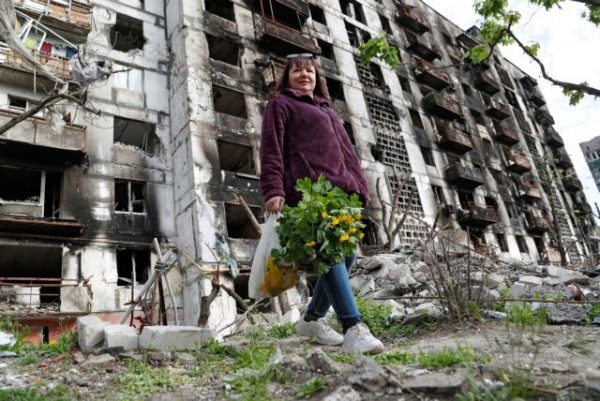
(504, 133)
(430, 74)
(423, 46)
(536, 222)
(412, 18)
(561, 158)
(442, 105)
(67, 15)
(485, 82)
(479, 216)
(571, 183)
(529, 191)
(553, 138)
(463, 177)
(454, 139)
(496, 107)
(517, 161)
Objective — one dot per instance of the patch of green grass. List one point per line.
(522, 315)
(255, 357)
(140, 380)
(59, 393)
(282, 330)
(579, 345)
(251, 387)
(312, 387)
(28, 359)
(343, 357)
(62, 346)
(594, 312)
(437, 360)
(518, 390)
(395, 358)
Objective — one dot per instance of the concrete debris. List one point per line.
(121, 337)
(90, 332)
(343, 393)
(319, 361)
(174, 337)
(185, 359)
(369, 376)
(7, 339)
(440, 383)
(96, 360)
(567, 313)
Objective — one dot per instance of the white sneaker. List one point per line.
(358, 339)
(319, 331)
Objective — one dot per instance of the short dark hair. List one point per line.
(284, 82)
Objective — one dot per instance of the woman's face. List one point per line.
(302, 77)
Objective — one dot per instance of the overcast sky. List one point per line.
(570, 50)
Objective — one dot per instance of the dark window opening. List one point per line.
(539, 245)
(465, 199)
(52, 195)
(356, 36)
(370, 231)
(415, 117)
(438, 194)
(349, 131)
(428, 156)
(136, 133)
(222, 8)
(238, 223)
(448, 39)
(229, 101)
(477, 116)
(45, 335)
(501, 238)
(130, 196)
(353, 10)
(127, 33)
(335, 89)
(132, 266)
(385, 25)
(477, 238)
(467, 89)
(223, 50)
(18, 185)
(522, 244)
(317, 14)
(17, 102)
(326, 50)
(425, 90)
(491, 202)
(282, 13)
(404, 84)
(377, 74)
(511, 98)
(235, 157)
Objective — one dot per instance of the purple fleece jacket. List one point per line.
(303, 137)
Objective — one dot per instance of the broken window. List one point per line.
(467, 89)
(425, 90)
(353, 9)
(428, 156)
(478, 238)
(222, 8)
(317, 14)
(404, 84)
(130, 196)
(20, 185)
(370, 231)
(52, 194)
(139, 134)
(477, 116)
(235, 157)
(522, 244)
(127, 33)
(447, 39)
(356, 36)
(511, 98)
(501, 238)
(349, 131)
(132, 266)
(326, 50)
(229, 101)
(19, 104)
(438, 194)
(223, 50)
(238, 222)
(385, 25)
(415, 117)
(466, 199)
(335, 89)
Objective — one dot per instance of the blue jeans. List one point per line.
(333, 288)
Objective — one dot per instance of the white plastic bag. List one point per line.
(266, 278)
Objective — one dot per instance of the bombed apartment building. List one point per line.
(173, 153)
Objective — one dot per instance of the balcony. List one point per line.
(582, 208)
(282, 39)
(430, 74)
(553, 138)
(453, 139)
(33, 139)
(423, 46)
(463, 177)
(270, 75)
(544, 117)
(562, 159)
(479, 216)
(74, 18)
(412, 18)
(467, 40)
(505, 134)
(485, 81)
(529, 191)
(528, 82)
(535, 96)
(517, 161)
(442, 105)
(496, 107)
(58, 66)
(536, 222)
(571, 183)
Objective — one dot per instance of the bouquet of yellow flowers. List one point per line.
(322, 229)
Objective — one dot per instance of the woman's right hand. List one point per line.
(275, 204)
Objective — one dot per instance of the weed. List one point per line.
(343, 357)
(213, 347)
(282, 330)
(438, 360)
(59, 393)
(312, 387)
(253, 387)
(28, 359)
(255, 357)
(579, 345)
(594, 312)
(522, 315)
(140, 379)
(395, 357)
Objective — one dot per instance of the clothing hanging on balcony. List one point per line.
(46, 48)
(71, 51)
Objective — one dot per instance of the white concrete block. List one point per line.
(90, 332)
(27, 296)
(121, 336)
(531, 280)
(174, 337)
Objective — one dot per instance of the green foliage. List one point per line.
(140, 380)
(593, 313)
(592, 14)
(522, 315)
(255, 357)
(574, 96)
(283, 330)
(533, 49)
(343, 357)
(437, 360)
(378, 48)
(516, 389)
(395, 358)
(312, 387)
(322, 229)
(59, 393)
(254, 387)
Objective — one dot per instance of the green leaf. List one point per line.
(533, 49)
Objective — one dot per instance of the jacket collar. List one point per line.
(318, 100)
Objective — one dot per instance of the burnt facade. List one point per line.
(177, 143)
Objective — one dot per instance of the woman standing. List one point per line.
(303, 137)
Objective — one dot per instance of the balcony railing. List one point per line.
(529, 191)
(454, 139)
(536, 222)
(412, 18)
(536, 97)
(505, 134)
(517, 161)
(282, 39)
(423, 46)
(442, 105)
(571, 183)
(75, 16)
(485, 82)
(430, 74)
(58, 66)
(496, 107)
(562, 159)
(479, 215)
(463, 177)
(553, 138)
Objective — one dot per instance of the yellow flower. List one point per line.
(324, 214)
(347, 218)
(344, 237)
(361, 236)
(311, 243)
(351, 230)
(335, 221)
(357, 216)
